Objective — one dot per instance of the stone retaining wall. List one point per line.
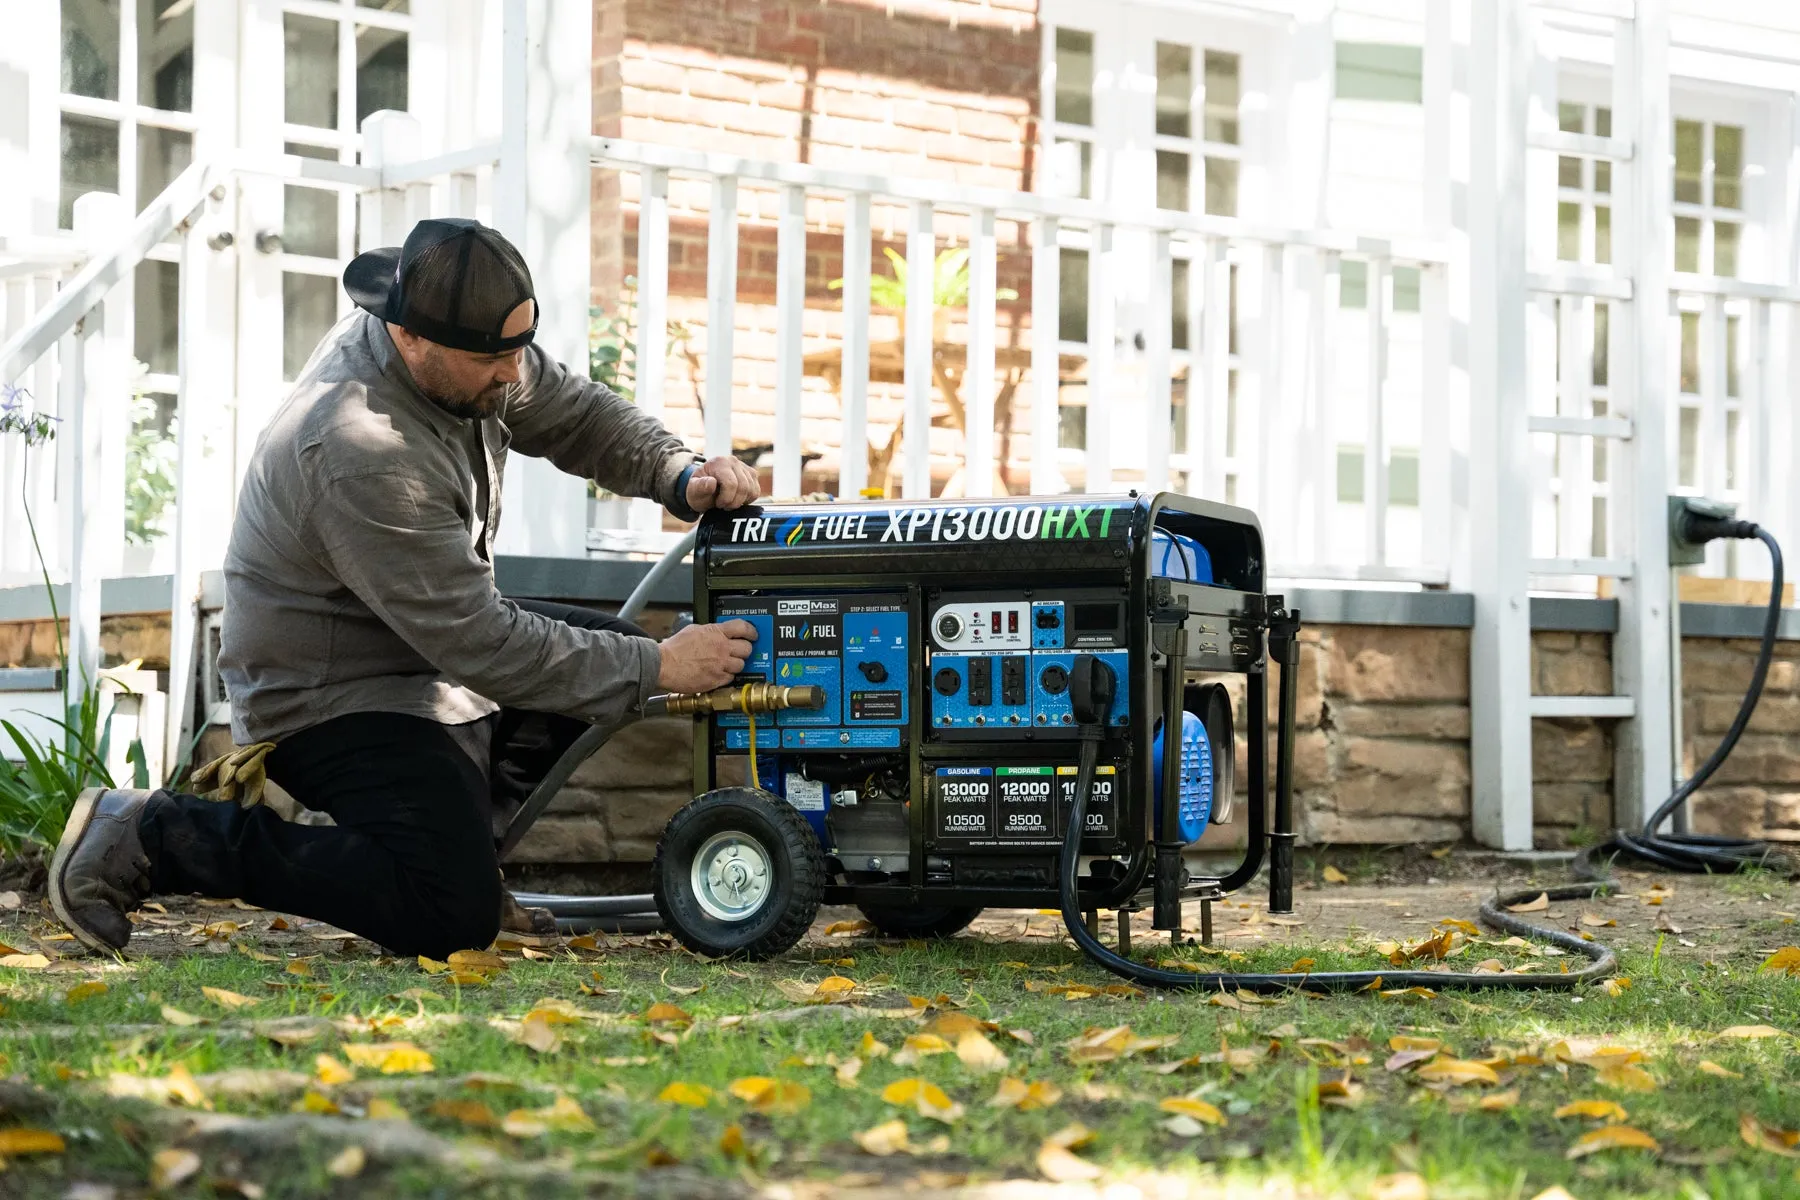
(1382, 754)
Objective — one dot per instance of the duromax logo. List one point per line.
(791, 532)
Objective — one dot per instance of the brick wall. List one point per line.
(937, 89)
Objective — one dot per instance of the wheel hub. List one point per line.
(731, 876)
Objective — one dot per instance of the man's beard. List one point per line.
(476, 408)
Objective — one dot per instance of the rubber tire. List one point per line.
(795, 856)
(926, 922)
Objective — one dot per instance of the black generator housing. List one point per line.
(939, 776)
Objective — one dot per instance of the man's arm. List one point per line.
(589, 430)
(402, 548)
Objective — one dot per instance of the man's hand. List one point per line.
(703, 657)
(721, 482)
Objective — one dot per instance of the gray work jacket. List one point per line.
(360, 574)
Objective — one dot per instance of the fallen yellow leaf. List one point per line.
(331, 1072)
(1340, 1093)
(1538, 905)
(175, 1016)
(391, 1058)
(537, 1032)
(766, 1095)
(884, 1139)
(1785, 959)
(664, 1013)
(1402, 1042)
(1499, 1101)
(1713, 1068)
(1752, 1031)
(871, 1047)
(920, 1045)
(1594, 920)
(172, 1166)
(954, 1024)
(731, 1142)
(1332, 875)
(82, 991)
(383, 1109)
(1404, 1186)
(24, 962)
(15, 1143)
(1456, 1070)
(693, 1095)
(300, 967)
(1759, 1135)
(1611, 1137)
(317, 1103)
(978, 1054)
(847, 1071)
(477, 960)
(348, 1163)
(562, 1116)
(1199, 1110)
(1628, 1078)
(1616, 985)
(835, 987)
(470, 1112)
(1602, 1110)
(848, 928)
(927, 1098)
(1056, 1161)
(227, 999)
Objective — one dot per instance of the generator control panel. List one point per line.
(1001, 662)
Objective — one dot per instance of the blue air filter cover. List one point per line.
(1194, 806)
(1177, 556)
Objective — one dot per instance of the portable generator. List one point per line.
(959, 704)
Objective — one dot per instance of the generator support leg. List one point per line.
(1124, 931)
(1284, 648)
(1206, 922)
(1092, 921)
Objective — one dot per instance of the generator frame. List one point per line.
(1166, 620)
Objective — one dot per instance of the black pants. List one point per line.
(411, 863)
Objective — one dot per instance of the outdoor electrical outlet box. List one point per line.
(1683, 553)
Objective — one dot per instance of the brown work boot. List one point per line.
(100, 872)
(527, 926)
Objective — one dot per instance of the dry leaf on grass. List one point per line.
(1198, 1110)
(477, 960)
(331, 1072)
(1403, 1059)
(1538, 905)
(1096, 1045)
(175, 1016)
(1404, 1186)
(978, 1054)
(1332, 875)
(24, 962)
(1752, 1032)
(1553, 1193)
(383, 1109)
(562, 1116)
(1611, 1137)
(1026, 1097)
(1594, 920)
(1785, 959)
(1600, 1110)
(1615, 986)
(1627, 1078)
(317, 1103)
(227, 999)
(927, 1098)
(884, 1139)
(766, 1095)
(1340, 1093)
(1456, 1070)
(954, 1024)
(16, 1143)
(1056, 1160)
(871, 1046)
(472, 1113)
(1713, 1068)
(348, 1163)
(1759, 1135)
(390, 1058)
(849, 928)
(82, 991)
(172, 1166)
(1499, 1101)
(692, 1095)
(664, 1013)
(920, 1045)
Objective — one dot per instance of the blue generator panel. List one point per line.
(758, 668)
(809, 649)
(1050, 687)
(981, 691)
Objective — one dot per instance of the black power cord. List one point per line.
(1092, 689)
(1696, 853)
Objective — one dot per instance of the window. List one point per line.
(1584, 190)
(1071, 147)
(1709, 196)
(1380, 71)
(326, 98)
(1203, 167)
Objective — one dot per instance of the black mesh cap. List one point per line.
(453, 283)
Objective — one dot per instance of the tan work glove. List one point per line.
(236, 777)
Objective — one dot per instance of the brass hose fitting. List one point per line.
(738, 698)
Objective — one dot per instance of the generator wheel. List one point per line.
(738, 872)
(925, 922)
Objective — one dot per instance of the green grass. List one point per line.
(1277, 1136)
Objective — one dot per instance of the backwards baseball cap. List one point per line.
(453, 283)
